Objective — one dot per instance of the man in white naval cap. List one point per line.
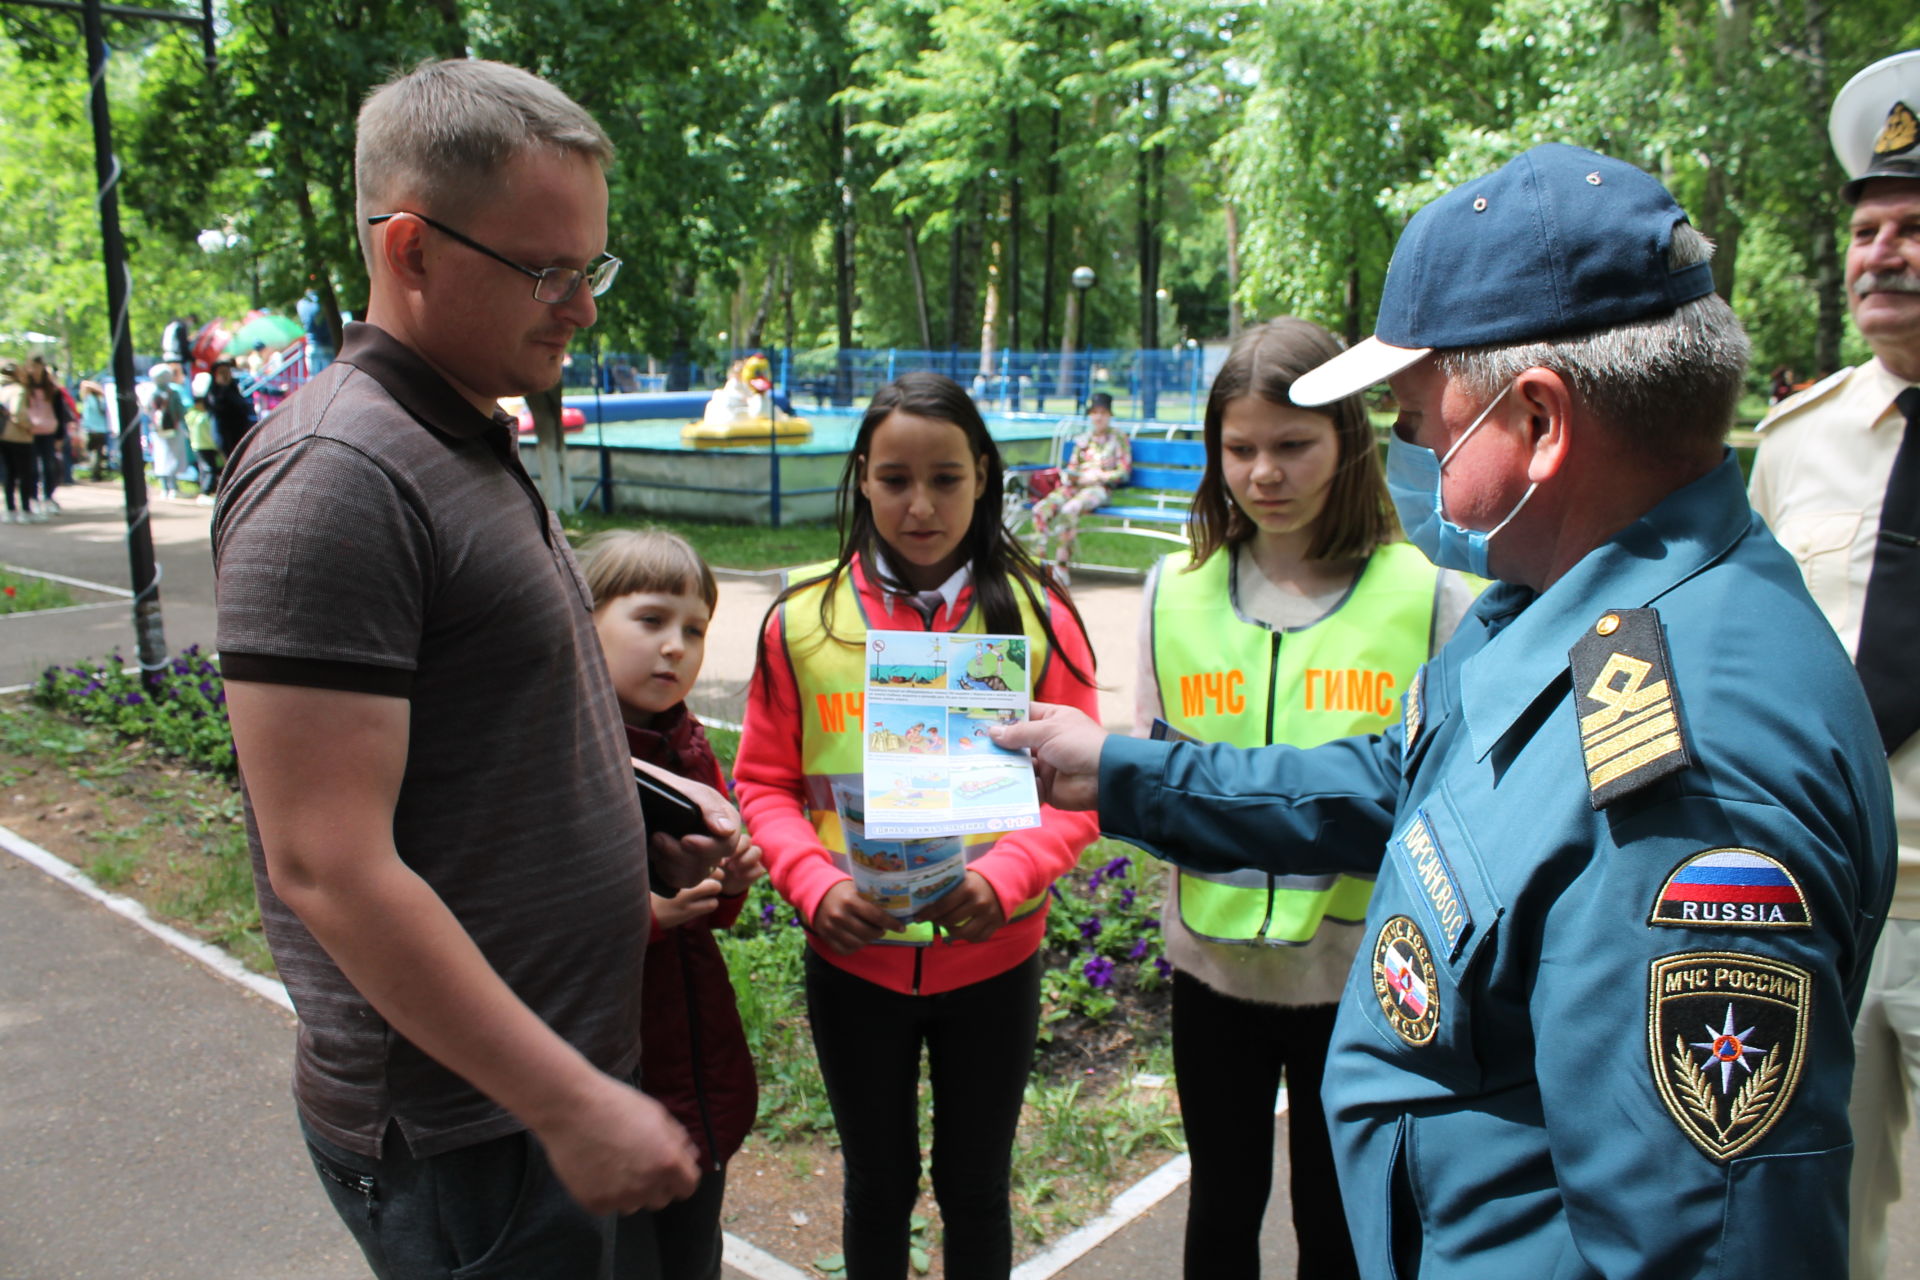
(1838, 478)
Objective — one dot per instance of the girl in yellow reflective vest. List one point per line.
(922, 549)
(1296, 618)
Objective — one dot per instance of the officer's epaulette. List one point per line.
(1804, 398)
(1631, 733)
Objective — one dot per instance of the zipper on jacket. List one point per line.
(699, 1067)
(1273, 693)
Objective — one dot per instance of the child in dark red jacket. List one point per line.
(653, 600)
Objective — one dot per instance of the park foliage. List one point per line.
(825, 174)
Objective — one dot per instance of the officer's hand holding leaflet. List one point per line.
(1065, 743)
(683, 863)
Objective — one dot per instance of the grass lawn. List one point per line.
(20, 593)
(725, 546)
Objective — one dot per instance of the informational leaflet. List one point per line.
(901, 877)
(931, 770)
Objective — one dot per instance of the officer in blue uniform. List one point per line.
(1633, 833)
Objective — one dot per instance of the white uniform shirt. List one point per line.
(1818, 481)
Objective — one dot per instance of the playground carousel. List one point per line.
(743, 413)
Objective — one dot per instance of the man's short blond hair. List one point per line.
(434, 137)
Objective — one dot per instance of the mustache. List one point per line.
(1885, 282)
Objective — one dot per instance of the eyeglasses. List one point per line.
(553, 285)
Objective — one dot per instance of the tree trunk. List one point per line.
(786, 305)
(1048, 245)
(452, 42)
(1234, 322)
(1047, 255)
(955, 252)
(1013, 258)
(550, 447)
(990, 318)
(760, 316)
(843, 231)
(1352, 302)
(1721, 224)
(919, 280)
(1150, 201)
(680, 349)
(1069, 326)
(1824, 254)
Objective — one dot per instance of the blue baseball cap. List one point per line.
(1557, 241)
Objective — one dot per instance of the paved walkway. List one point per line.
(145, 1125)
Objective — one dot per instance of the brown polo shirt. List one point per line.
(377, 534)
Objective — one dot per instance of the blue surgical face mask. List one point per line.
(1413, 481)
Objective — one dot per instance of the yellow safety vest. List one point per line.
(1223, 678)
(830, 674)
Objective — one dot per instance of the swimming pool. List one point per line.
(642, 465)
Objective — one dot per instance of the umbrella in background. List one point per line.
(266, 331)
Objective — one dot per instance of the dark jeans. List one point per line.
(682, 1241)
(486, 1212)
(16, 461)
(979, 1043)
(46, 456)
(1228, 1056)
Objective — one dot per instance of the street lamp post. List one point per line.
(1083, 279)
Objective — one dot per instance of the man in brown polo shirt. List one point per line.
(447, 845)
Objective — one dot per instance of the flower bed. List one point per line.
(181, 709)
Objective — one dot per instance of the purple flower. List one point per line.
(206, 689)
(220, 699)
(1127, 896)
(1161, 967)
(93, 686)
(1117, 868)
(1090, 928)
(1099, 971)
(131, 699)
(180, 667)
(191, 649)
(1139, 950)
(768, 912)
(794, 923)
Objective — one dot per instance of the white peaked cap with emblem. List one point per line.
(1875, 123)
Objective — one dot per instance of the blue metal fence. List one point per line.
(1146, 384)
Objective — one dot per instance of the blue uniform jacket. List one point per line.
(1584, 1041)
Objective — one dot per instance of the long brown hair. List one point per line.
(998, 559)
(1264, 362)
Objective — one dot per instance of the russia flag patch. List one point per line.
(1731, 888)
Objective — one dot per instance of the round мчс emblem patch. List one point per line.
(1405, 981)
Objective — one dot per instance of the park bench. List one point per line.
(1152, 504)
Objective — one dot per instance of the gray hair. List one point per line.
(1667, 383)
(438, 133)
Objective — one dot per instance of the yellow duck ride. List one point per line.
(742, 411)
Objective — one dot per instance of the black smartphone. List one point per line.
(666, 809)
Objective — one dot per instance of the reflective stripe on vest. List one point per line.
(1225, 679)
(829, 672)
